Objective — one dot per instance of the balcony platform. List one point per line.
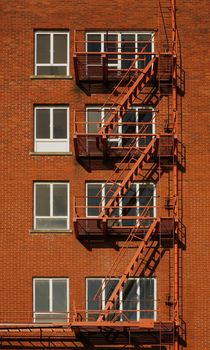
(96, 228)
(145, 331)
(96, 146)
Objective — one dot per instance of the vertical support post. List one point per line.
(105, 68)
(76, 68)
(175, 174)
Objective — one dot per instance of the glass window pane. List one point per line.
(111, 284)
(129, 204)
(111, 45)
(42, 123)
(130, 299)
(129, 126)
(127, 45)
(60, 48)
(147, 301)
(51, 318)
(51, 223)
(59, 293)
(43, 200)
(94, 43)
(93, 199)
(51, 70)
(146, 128)
(144, 45)
(109, 191)
(60, 200)
(94, 120)
(92, 302)
(43, 48)
(60, 123)
(42, 296)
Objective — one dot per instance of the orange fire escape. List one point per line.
(156, 79)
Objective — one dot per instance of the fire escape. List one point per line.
(151, 76)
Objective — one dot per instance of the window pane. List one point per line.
(110, 286)
(147, 297)
(60, 200)
(42, 123)
(129, 126)
(42, 200)
(129, 204)
(94, 199)
(130, 299)
(127, 45)
(146, 193)
(51, 70)
(42, 296)
(111, 45)
(145, 117)
(60, 123)
(51, 318)
(43, 48)
(94, 120)
(92, 302)
(94, 46)
(60, 48)
(59, 295)
(51, 223)
(144, 45)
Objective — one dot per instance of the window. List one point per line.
(51, 129)
(139, 200)
(51, 53)
(137, 298)
(50, 300)
(124, 45)
(51, 209)
(136, 120)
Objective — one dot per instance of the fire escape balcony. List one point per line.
(131, 213)
(102, 58)
(127, 136)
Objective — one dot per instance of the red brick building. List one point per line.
(104, 229)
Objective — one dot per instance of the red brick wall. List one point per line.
(25, 255)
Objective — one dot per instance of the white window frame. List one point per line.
(62, 142)
(119, 139)
(138, 184)
(103, 36)
(50, 279)
(138, 279)
(51, 206)
(51, 63)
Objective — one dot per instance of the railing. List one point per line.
(119, 314)
(125, 128)
(83, 210)
(114, 47)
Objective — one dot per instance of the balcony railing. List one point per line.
(127, 214)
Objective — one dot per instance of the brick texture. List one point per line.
(25, 255)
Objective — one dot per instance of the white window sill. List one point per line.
(51, 231)
(68, 77)
(50, 153)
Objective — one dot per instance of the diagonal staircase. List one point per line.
(133, 264)
(128, 93)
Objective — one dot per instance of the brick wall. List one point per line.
(25, 255)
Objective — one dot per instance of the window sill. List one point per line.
(50, 153)
(68, 77)
(50, 231)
